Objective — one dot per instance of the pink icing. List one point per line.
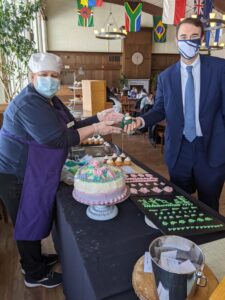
(144, 190)
(95, 163)
(156, 190)
(133, 191)
(168, 189)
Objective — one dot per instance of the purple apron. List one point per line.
(41, 180)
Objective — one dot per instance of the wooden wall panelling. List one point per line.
(97, 66)
(162, 61)
(107, 66)
(137, 42)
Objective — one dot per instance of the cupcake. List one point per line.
(118, 161)
(85, 142)
(127, 161)
(123, 156)
(101, 141)
(105, 159)
(110, 162)
(114, 157)
(95, 140)
(89, 141)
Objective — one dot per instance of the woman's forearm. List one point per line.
(86, 132)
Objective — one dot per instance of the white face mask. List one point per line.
(189, 48)
(47, 86)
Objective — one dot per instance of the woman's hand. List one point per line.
(109, 115)
(137, 123)
(105, 127)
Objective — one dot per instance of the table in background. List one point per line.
(98, 257)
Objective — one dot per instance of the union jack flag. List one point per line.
(199, 7)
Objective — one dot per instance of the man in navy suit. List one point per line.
(191, 97)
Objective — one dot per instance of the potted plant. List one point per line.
(122, 81)
(16, 43)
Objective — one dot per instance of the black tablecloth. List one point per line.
(98, 257)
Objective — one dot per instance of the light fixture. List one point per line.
(110, 30)
(213, 27)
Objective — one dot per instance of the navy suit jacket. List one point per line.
(168, 105)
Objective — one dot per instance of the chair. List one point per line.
(125, 104)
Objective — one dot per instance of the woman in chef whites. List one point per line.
(35, 137)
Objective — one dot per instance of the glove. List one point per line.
(105, 127)
(129, 128)
(109, 115)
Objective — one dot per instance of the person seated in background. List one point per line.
(133, 93)
(142, 93)
(37, 132)
(146, 103)
(111, 97)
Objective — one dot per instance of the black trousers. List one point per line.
(30, 251)
(192, 172)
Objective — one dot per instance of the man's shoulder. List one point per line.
(171, 69)
(212, 60)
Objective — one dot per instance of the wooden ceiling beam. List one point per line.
(147, 7)
(219, 5)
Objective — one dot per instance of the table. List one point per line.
(98, 257)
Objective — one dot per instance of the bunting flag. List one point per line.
(91, 3)
(173, 11)
(133, 16)
(159, 29)
(208, 6)
(201, 8)
(85, 15)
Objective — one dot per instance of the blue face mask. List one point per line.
(47, 86)
(189, 48)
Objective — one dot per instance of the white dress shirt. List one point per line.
(196, 77)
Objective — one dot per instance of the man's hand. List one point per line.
(109, 115)
(105, 127)
(137, 123)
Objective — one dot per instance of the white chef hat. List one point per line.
(45, 62)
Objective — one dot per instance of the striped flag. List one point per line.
(208, 6)
(85, 15)
(91, 3)
(173, 11)
(133, 16)
(159, 29)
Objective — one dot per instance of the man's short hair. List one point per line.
(194, 21)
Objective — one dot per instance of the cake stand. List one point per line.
(104, 211)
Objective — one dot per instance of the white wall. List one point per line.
(65, 34)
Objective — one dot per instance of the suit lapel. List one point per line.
(204, 83)
(176, 83)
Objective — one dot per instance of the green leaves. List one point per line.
(16, 44)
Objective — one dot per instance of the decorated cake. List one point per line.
(99, 184)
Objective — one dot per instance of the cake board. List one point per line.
(144, 284)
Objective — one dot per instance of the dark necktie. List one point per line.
(189, 109)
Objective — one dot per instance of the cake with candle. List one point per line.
(99, 184)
